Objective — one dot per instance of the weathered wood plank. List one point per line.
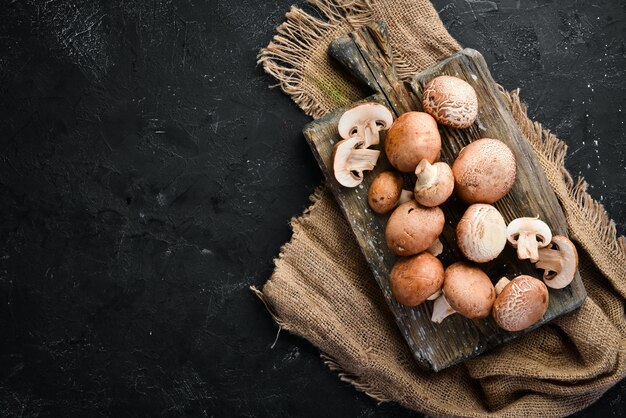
(437, 346)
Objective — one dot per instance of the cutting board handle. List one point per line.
(367, 55)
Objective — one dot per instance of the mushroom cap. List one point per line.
(522, 303)
(350, 160)
(384, 191)
(484, 171)
(412, 137)
(435, 183)
(468, 290)
(412, 228)
(559, 263)
(481, 233)
(361, 115)
(414, 279)
(450, 100)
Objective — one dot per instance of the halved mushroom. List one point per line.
(559, 262)
(528, 235)
(434, 183)
(350, 160)
(386, 192)
(481, 233)
(412, 228)
(415, 279)
(466, 290)
(365, 121)
(521, 302)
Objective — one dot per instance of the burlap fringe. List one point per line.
(552, 148)
(354, 380)
(287, 55)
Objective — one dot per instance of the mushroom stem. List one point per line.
(362, 159)
(527, 247)
(369, 133)
(441, 309)
(434, 295)
(405, 196)
(501, 285)
(426, 174)
(435, 248)
(551, 261)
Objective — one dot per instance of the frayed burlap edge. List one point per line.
(286, 55)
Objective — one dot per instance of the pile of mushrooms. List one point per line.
(482, 173)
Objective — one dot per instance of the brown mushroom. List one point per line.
(385, 192)
(481, 233)
(412, 228)
(450, 100)
(528, 235)
(521, 302)
(484, 171)
(415, 279)
(559, 262)
(466, 290)
(365, 121)
(350, 160)
(434, 183)
(414, 136)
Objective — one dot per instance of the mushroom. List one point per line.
(365, 121)
(466, 290)
(412, 228)
(559, 262)
(521, 302)
(386, 192)
(481, 233)
(528, 235)
(451, 101)
(414, 136)
(415, 279)
(435, 248)
(434, 183)
(484, 171)
(350, 160)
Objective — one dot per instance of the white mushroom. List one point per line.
(365, 121)
(559, 262)
(350, 160)
(528, 235)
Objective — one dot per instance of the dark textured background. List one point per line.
(148, 175)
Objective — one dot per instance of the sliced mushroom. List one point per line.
(559, 262)
(434, 183)
(521, 302)
(350, 160)
(528, 235)
(412, 228)
(481, 233)
(466, 290)
(414, 279)
(484, 171)
(365, 121)
(450, 100)
(414, 136)
(385, 192)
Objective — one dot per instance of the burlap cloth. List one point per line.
(322, 288)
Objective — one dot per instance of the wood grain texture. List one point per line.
(367, 55)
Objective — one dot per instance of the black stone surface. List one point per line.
(148, 175)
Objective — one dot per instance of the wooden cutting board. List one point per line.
(367, 55)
